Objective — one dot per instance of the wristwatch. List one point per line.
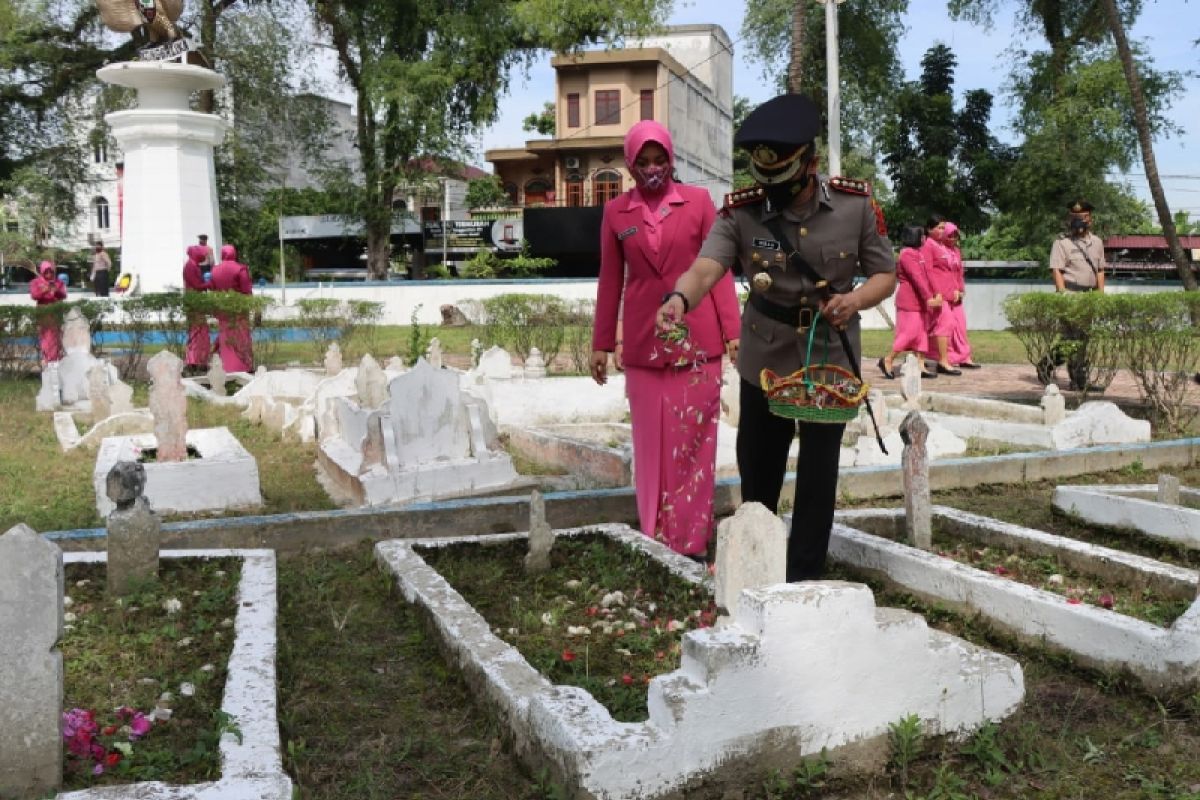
(686, 305)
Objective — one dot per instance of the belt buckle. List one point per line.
(806, 320)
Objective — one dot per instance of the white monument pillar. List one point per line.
(170, 193)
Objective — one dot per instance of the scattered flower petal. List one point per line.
(172, 605)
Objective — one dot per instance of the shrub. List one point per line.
(519, 322)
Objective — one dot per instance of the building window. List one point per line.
(100, 207)
(606, 185)
(510, 189)
(608, 107)
(100, 152)
(572, 111)
(647, 101)
(574, 192)
(537, 192)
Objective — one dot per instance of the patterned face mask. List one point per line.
(654, 177)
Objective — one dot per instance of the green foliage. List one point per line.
(253, 226)
(518, 322)
(540, 123)
(418, 336)
(487, 264)
(350, 323)
(803, 781)
(486, 192)
(906, 740)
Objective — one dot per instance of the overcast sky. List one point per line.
(1168, 26)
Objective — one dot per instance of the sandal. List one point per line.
(970, 365)
(948, 370)
(887, 373)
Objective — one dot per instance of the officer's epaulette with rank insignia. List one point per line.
(743, 197)
(850, 185)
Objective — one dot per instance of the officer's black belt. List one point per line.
(793, 316)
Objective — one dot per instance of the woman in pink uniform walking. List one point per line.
(234, 340)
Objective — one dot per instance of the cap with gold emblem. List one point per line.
(779, 136)
(1079, 206)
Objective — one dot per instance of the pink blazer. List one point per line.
(231, 276)
(632, 272)
(940, 264)
(915, 287)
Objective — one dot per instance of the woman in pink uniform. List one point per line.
(46, 290)
(959, 347)
(916, 301)
(649, 237)
(199, 345)
(234, 341)
(945, 282)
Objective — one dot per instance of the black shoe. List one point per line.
(927, 374)
(951, 371)
(887, 373)
(970, 365)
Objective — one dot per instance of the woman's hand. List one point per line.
(619, 357)
(732, 347)
(600, 367)
(934, 302)
(958, 296)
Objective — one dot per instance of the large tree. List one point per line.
(939, 159)
(426, 75)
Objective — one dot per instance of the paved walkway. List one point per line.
(1017, 382)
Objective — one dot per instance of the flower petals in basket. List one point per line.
(820, 393)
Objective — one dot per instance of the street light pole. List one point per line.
(833, 85)
(282, 263)
(445, 221)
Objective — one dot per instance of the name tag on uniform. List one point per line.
(767, 244)
(625, 234)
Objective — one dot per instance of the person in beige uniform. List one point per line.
(1077, 264)
(801, 239)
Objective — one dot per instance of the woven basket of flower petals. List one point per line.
(819, 393)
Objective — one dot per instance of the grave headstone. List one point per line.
(371, 383)
(751, 553)
(333, 359)
(49, 397)
(395, 364)
(1168, 490)
(31, 667)
(875, 413)
(168, 404)
(535, 366)
(496, 364)
(434, 353)
(77, 358)
(541, 536)
(918, 520)
(120, 395)
(374, 447)
(216, 375)
(476, 352)
(731, 395)
(429, 416)
(98, 394)
(77, 334)
(1054, 405)
(134, 530)
(910, 382)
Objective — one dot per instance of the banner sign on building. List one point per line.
(468, 236)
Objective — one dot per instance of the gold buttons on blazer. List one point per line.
(804, 231)
(761, 281)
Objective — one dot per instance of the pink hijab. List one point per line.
(228, 252)
(196, 253)
(950, 229)
(647, 131)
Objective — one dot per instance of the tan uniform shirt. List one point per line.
(837, 234)
(1078, 274)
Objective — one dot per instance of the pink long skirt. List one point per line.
(674, 414)
(199, 345)
(235, 343)
(50, 340)
(910, 332)
(959, 349)
(940, 322)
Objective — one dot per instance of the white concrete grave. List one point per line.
(251, 761)
(751, 554)
(69, 437)
(1162, 658)
(66, 384)
(429, 440)
(799, 668)
(223, 477)
(1136, 507)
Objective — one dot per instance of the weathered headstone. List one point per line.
(333, 359)
(541, 536)
(168, 404)
(535, 366)
(751, 553)
(98, 394)
(77, 334)
(216, 375)
(496, 364)
(918, 520)
(371, 383)
(49, 397)
(875, 412)
(731, 395)
(31, 667)
(395, 364)
(120, 395)
(910, 382)
(453, 317)
(374, 447)
(1054, 405)
(77, 358)
(433, 354)
(134, 530)
(429, 416)
(1168, 490)
(476, 352)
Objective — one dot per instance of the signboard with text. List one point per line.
(468, 236)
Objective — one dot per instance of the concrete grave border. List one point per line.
(1135, 506)
(566, 730)
(251, 769)
(1162, 658)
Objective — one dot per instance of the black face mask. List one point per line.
(780, 195)
(1078, 226)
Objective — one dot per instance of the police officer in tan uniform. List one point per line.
(1077, 264)
(800, 239)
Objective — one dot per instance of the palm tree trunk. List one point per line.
(796, 64)
(1141, 120)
